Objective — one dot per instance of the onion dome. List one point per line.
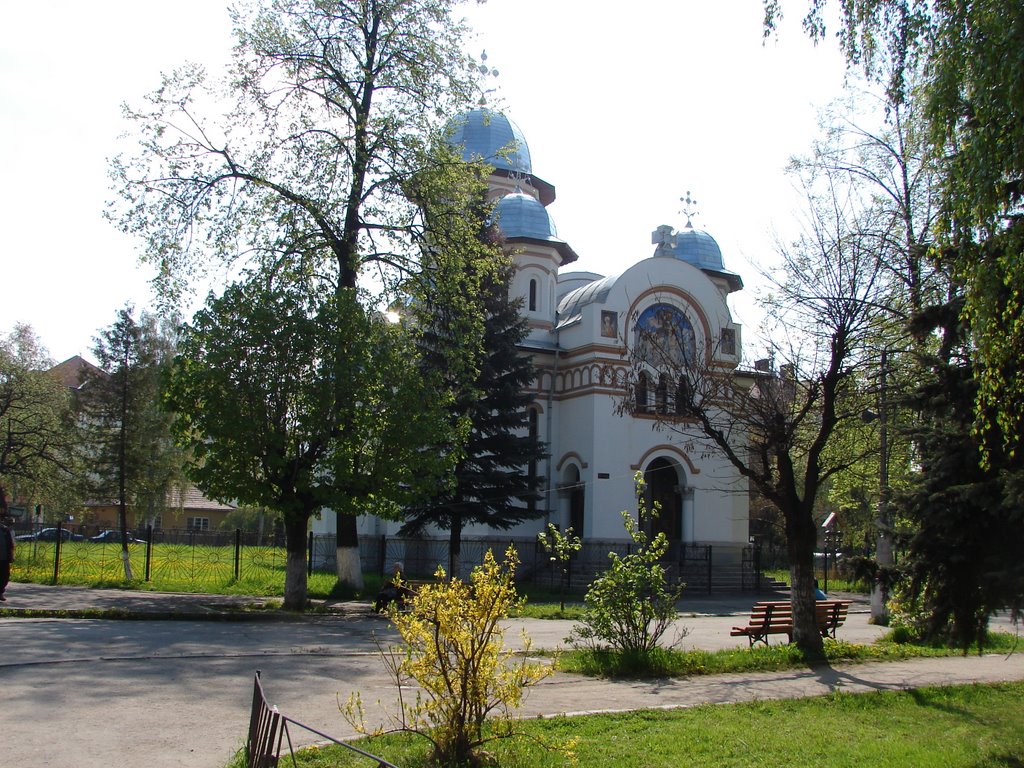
(487, 135)
(522, 217)
(698, 248)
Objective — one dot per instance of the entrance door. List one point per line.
(575, 490)
(663, 488)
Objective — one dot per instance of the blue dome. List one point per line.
(697, 247)
(490, 136)
(519, 215)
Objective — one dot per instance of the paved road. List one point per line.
(85, 692)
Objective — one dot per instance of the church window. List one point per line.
(661, 394)
(641, 392)
(684, 397)
(663, 340)
(533, 295)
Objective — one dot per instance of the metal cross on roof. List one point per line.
(486, 71)
(689, 207)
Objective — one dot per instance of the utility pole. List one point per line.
(883, 546)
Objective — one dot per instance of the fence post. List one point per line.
(309, 558)
(149, 548)
(381, 565)
(56, 550)
(238, 552)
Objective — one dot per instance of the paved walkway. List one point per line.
(147, 676)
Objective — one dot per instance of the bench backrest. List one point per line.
(778, 613)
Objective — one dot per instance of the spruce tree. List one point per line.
(964, 557)
(494, 482)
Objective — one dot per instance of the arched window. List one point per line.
(533, 295)
(642, 386)
(684, 397)
(661, 394)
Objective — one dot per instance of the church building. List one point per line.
(582, 326)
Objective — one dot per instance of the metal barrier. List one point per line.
(175, 559)
(268, 731)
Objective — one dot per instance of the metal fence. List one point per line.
(189, 559)
(173, 558)
(701, 566)
(269, 731)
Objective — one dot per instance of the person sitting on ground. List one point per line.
(393, 591)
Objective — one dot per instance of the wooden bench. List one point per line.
(776, 618)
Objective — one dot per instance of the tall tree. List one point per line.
(782, 429)
(973, 97)
(973, 106)
(36, 436)
(298, 402)
(125, 429)
(964, 557)
(318, 166)
(889, 167)
(495, 480)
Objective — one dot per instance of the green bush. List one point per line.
(630, 606)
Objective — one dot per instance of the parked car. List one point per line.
(50, 534)
(113, 537)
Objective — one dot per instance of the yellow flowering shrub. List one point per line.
(459, 685)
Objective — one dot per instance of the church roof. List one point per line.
(490, 136)
(570, 308)
(697, 247)
(520, 215)
(487, 135)
(524, 218)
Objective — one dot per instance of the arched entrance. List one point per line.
(664, 488)
(573, 490)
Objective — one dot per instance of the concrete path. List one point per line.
(160, 693)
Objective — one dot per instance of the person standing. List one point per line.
(6, 556)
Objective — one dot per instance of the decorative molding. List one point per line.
(662, 449)
(571, 456)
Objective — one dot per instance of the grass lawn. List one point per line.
(953, 727)
(663, 662)
(835, 583)
(173, 568)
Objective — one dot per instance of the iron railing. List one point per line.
(189, 559)
(269, 731)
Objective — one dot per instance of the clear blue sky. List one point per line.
(624, 109)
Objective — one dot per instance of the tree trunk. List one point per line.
(295, 584)
(455, 547)
(801, 536)
(348, 563)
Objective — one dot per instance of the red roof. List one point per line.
(71, 372)
(191, 498)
